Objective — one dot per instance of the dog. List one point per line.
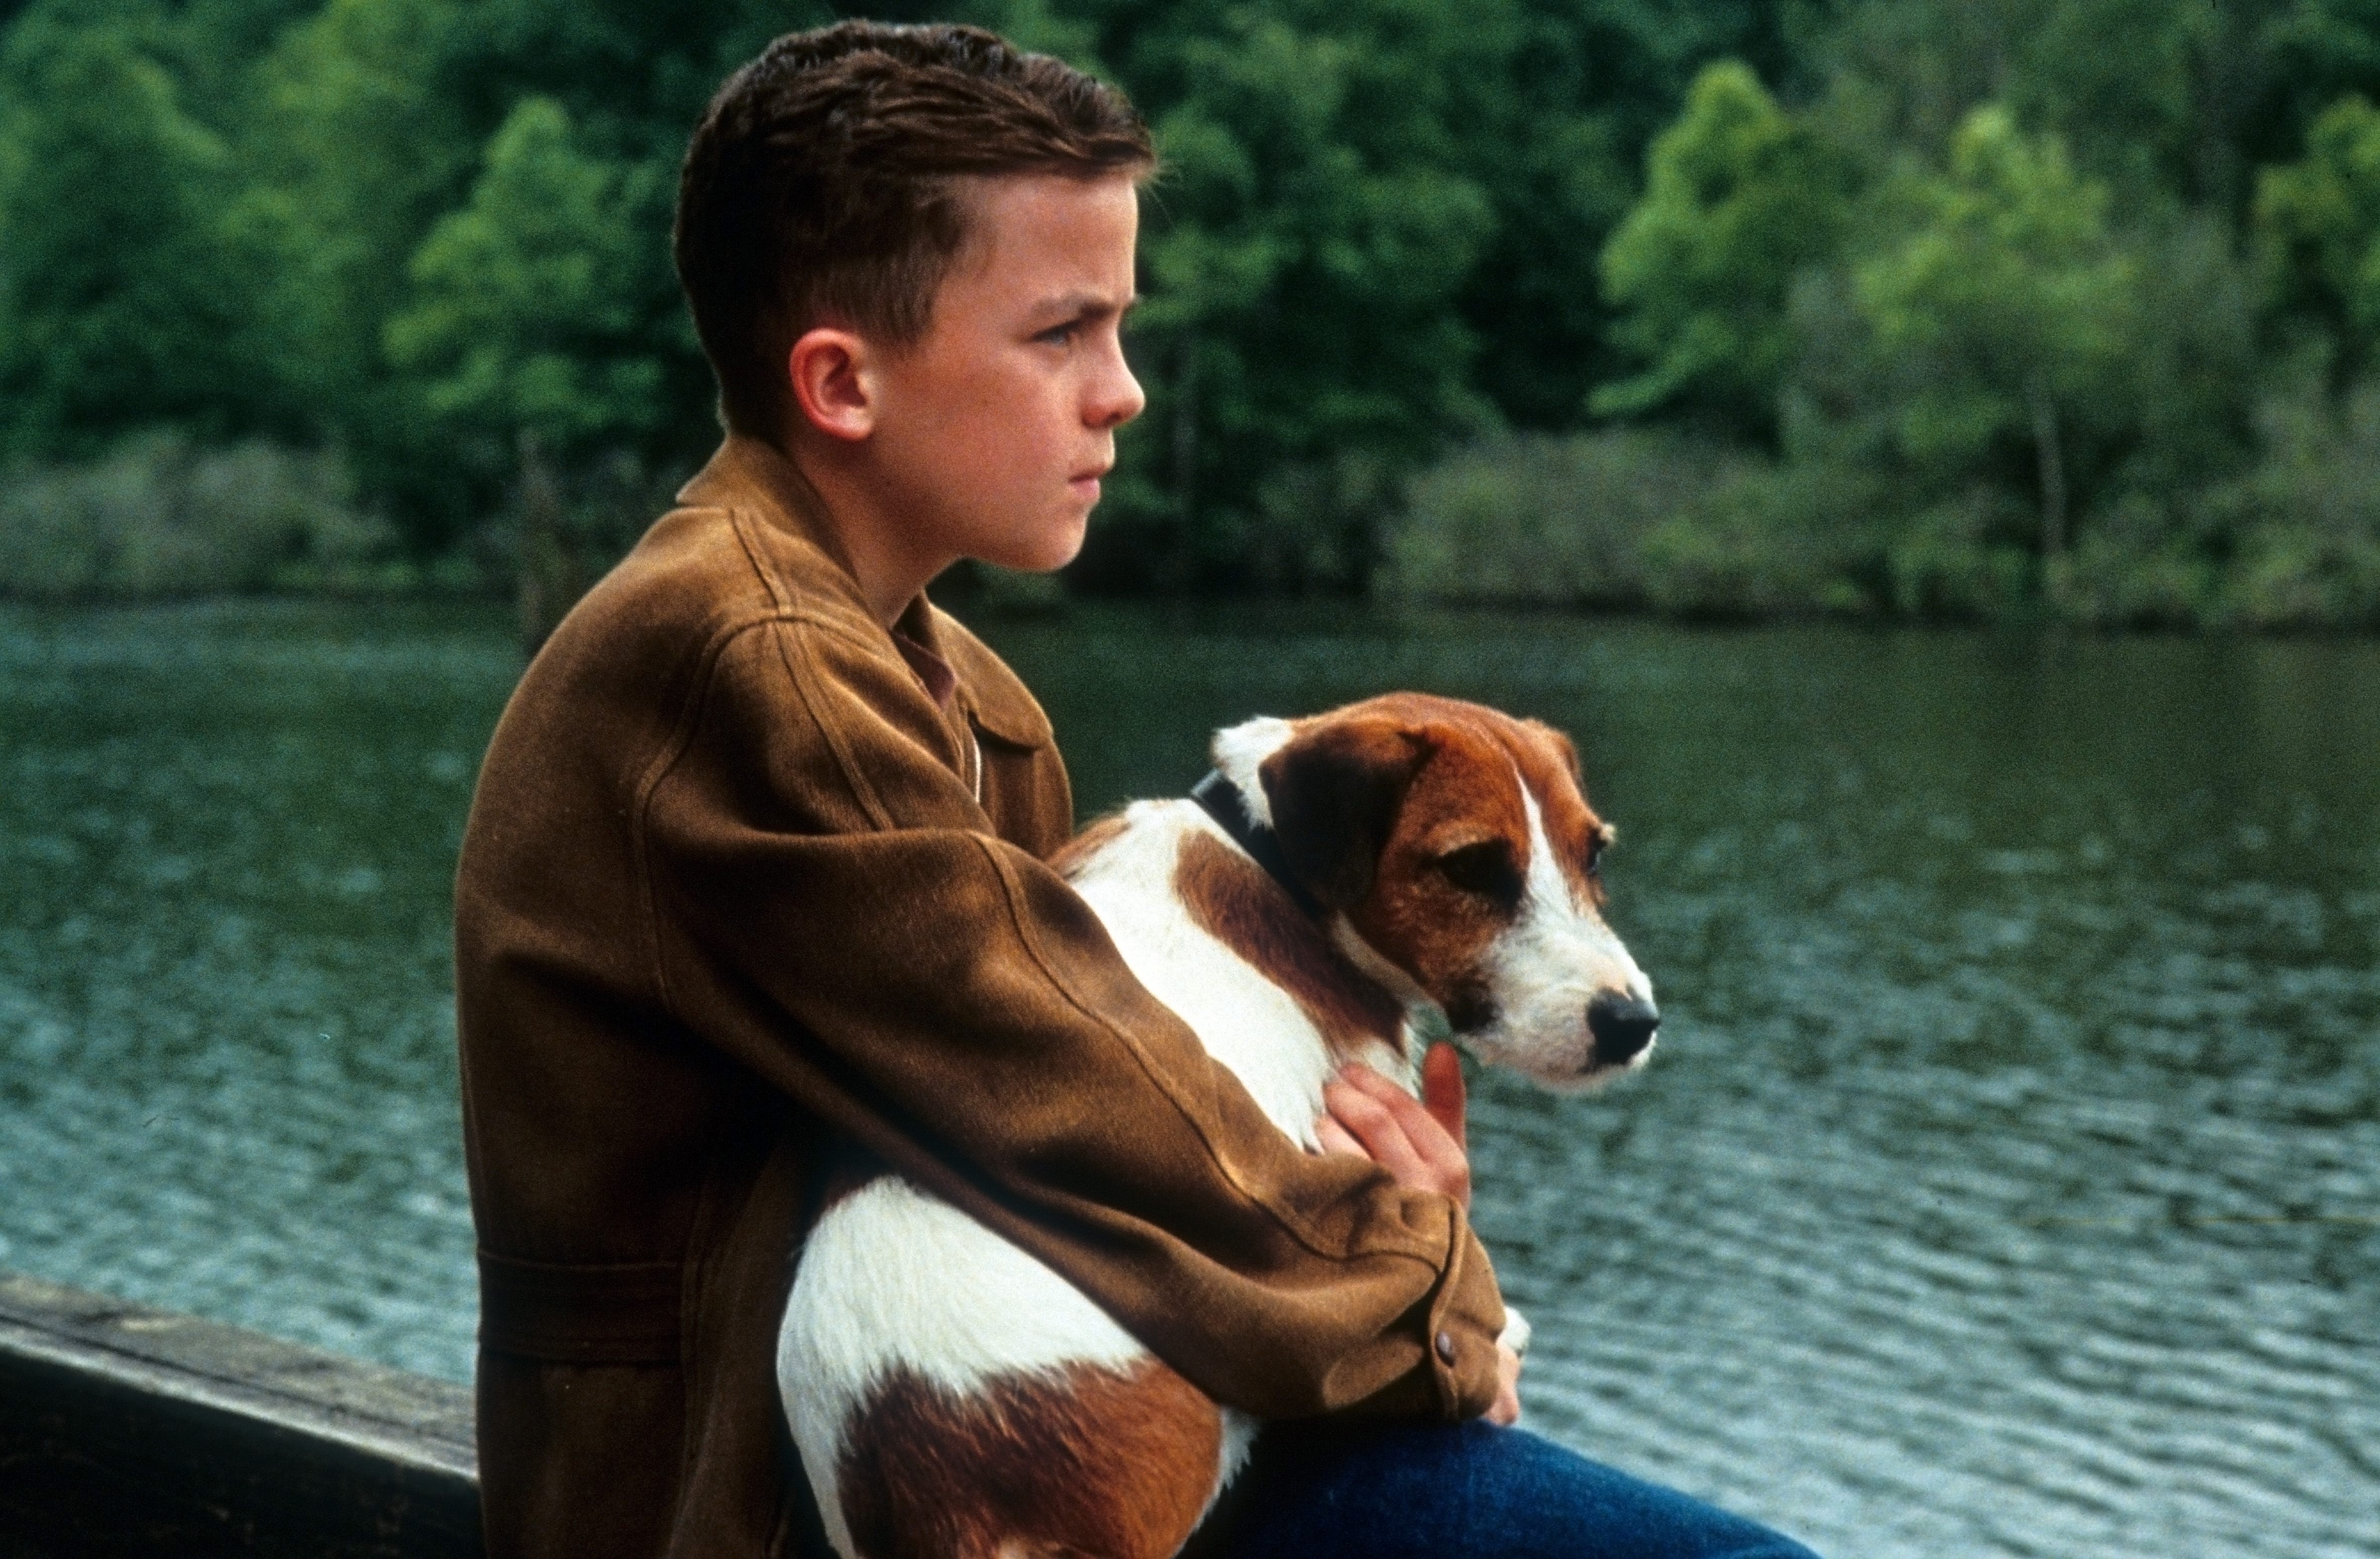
(1339, 886)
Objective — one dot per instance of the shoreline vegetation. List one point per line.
(1614, 522)
(1908, 311)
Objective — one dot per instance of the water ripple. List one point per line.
(2007, 1182)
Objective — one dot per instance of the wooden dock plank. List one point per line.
(129, 1429)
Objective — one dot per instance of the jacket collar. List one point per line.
(750, 475)
(746, 473)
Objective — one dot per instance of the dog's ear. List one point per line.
(1335, 790)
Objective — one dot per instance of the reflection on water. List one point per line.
(2008, 1181)
(228, 840)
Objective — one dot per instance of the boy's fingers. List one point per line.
(1507, 1410)
(1335, 1139)
(1384, 1139)
(1422, 1127)
(1418, 1123)
(1443, 1091)
(1398, 1135)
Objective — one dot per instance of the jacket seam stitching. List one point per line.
(664, 763)
(863, 790)
(1450, 1388)
(694, 1283)
(738, 521)
(672, 752)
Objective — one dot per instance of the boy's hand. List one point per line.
(1507, 1410)
(1419, 1143)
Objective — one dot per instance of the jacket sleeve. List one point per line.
(827, 904)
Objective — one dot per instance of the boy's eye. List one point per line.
(1059, 336)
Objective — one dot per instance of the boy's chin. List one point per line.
(1044, 553)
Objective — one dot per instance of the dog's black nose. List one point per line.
(1622, 1026)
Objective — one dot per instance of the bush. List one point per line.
(2300, 578)
(2139, 565)
(1770, 540)
(1952, 562)
(2306, 518)
(1547, 521)
(160, 517)
(1626, 518)
(1632, 518)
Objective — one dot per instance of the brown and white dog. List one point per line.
(1339, 886)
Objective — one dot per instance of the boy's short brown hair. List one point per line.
(824, 183)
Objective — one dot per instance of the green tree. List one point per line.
(351, 153)
(2002, 309)
(1302, 263)
(1738, 197)
(2313, 53)
(2318, 226)
(538, 307)
(118, 306)
(542, 319)
(2150, 94)
(1555, 137)
(350, 150)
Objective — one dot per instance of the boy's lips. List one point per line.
(1086, 484)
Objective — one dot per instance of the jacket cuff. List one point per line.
(1465, 1318)
(1445, 1342)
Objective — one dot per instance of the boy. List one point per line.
(754, 873)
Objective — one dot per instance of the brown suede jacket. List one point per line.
(739, 886)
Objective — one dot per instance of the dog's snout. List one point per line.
(1622, 1026)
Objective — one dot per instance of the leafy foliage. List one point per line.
(536, 307)
(1310, 186)
(2003, 310)
(1738, 197)
(1941, 306)
(2319, 221)
(118, 304)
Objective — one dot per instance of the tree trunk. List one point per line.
(2050, 457)
(548, 584)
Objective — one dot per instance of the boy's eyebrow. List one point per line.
(1075, 305)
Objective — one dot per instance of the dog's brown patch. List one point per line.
(1548, 763)
(1076, 852)
(1233, 900)
(1083, 1461)
(1409, 813)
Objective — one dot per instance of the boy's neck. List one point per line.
(878, 543)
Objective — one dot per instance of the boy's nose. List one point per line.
(1116, 397)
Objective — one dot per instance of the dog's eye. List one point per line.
(1485, 868)
(1595, 849)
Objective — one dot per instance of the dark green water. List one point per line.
(2008, 1181)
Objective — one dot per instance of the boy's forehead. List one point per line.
(1058, 238)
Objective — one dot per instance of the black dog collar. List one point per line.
(1227, 806)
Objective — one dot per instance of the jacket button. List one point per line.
(1446, 1347)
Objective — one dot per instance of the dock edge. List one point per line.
(127, 1429)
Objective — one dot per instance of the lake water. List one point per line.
(2006, 1181)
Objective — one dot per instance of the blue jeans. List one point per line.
(1447, 1490)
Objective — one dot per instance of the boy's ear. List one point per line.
(833, 383)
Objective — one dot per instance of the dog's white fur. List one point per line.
(1555, 960)
(891, 1277)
